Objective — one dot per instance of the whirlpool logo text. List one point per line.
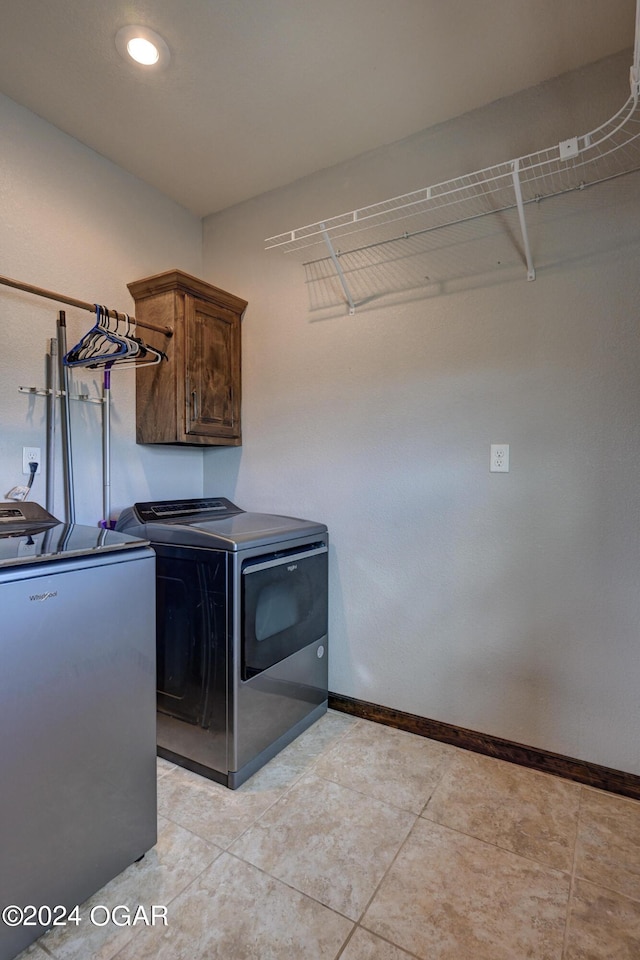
(43, 596)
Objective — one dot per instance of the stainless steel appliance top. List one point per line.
(30, 534)
(213, 522)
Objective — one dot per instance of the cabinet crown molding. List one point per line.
(178, 280)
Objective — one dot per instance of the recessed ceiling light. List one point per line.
(143, 45)
(143, 51)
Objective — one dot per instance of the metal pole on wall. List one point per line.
(106, 448)
(52, 387)
(65, 422)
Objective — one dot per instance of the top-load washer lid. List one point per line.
(30, 534)
(215, 523)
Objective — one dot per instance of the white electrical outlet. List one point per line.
(499, 458)
(31, 455)
(27, 547)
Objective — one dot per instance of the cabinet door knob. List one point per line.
(194, 404)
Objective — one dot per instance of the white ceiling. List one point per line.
(261, 92)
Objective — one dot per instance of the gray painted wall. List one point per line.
(74, 223)
(504, 603)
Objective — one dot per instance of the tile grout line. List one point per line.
(492, 843)
(601, 884)
(445, 771)
(444, 764)
(307, 772)
(608, 889)
(357, 926)
(177, 768)
(137, 934)
(572, 881)
(356, 923)
(369, 796)
(289, 788)
(289, 885)
(221, 849)
(385, 874)
(420, 817)
(263, 870)
(496, 846)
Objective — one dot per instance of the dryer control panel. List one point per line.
(167, 510)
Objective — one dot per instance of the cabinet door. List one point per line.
(212, 371)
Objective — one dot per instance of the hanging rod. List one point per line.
(82, 304)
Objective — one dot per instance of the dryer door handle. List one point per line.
(284, 561)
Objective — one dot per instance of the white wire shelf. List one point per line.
(609, 151)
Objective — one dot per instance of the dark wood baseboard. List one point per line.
(592, 774)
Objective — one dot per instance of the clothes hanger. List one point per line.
(143, 354)
(99, 345)
(102, 344)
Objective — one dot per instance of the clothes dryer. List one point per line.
(242, 611)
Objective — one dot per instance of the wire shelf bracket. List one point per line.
(531, 271)
(339, 272)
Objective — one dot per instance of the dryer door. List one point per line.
(284, 605)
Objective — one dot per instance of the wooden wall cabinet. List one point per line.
(194, 398)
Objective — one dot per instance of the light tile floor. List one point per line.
(362, 842)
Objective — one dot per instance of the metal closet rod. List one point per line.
(82, 304)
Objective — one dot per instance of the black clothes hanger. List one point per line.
(98, 346)
(104, 345)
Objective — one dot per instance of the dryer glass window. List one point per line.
(191, 635)
(284, 606)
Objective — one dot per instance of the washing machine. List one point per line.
(77, 714)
